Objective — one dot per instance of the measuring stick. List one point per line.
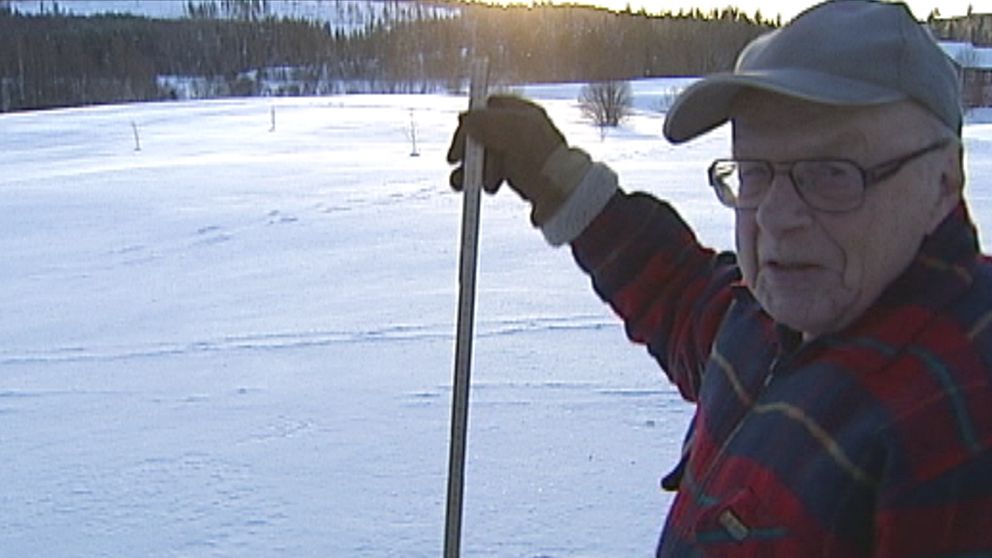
(471, 200)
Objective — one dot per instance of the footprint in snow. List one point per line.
(211, 234)
(277, 218)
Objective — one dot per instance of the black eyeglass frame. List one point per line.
(869, 177)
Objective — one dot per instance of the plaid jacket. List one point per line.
(876, 441)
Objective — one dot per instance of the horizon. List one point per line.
(769, 9)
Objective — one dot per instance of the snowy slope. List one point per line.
(238, 342)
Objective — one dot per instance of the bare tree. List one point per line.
(606, 103)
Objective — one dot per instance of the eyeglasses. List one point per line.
(832, 185)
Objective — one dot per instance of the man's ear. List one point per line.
(951, 185)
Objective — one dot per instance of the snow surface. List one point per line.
(239, 342)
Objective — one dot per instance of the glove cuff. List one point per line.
(561, 173)
(587, 199)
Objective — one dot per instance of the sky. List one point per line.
(787, 8)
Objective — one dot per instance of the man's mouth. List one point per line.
(790, 273)
(789, 265)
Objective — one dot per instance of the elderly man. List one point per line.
(840, 361)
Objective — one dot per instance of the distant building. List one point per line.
(975, 66)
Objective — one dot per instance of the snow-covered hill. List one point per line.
(238, 340)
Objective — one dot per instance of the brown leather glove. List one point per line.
(518, 138)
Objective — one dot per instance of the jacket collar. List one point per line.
(942, 268)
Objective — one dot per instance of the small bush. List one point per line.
(606, 103)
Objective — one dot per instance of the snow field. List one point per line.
(239, 342)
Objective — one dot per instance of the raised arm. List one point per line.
(643, 258)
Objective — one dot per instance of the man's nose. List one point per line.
(782, 207)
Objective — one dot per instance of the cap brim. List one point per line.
(706, 104)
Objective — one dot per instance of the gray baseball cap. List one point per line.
(840, 52)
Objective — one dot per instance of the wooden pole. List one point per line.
(472, 193)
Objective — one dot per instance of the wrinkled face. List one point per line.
(817, 272)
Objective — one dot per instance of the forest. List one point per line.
(56, 59)
(234, 48)
(974, 28)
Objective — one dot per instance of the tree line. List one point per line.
(55, 59)
(973, 28)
